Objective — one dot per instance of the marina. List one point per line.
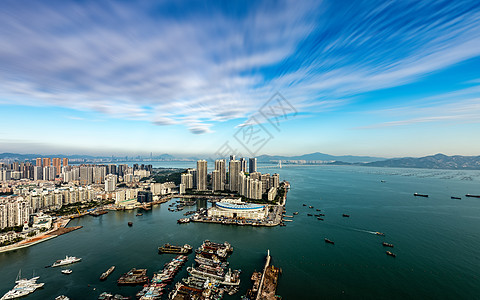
(23, 287)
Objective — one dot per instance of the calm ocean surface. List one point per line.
(437, 240)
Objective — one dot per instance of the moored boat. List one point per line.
(23, 287)
(171, 249)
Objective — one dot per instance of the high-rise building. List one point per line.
(187, 180)
(86, 175)
(110, 183)
(232, 157)
(193, 172)
(233, 173)
(46, 162)
(38, 162)
(201, 175)
(57, 163)
(37, 173)
(216, 181)
(243, 164)
(220, 166)
(252, 165)
(65, 162)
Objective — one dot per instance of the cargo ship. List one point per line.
(107, 273)
(391, 254)
(170, 249)
(133, 277)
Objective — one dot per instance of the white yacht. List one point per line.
(66, 261)
(23, 287)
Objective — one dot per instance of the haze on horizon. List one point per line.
(374, 78)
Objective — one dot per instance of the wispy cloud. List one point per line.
(207, 65)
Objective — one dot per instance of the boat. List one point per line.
(320, 219)
(310, 206)
(345, 215)
(133, 277)
(107, 273)
(130, 224)
(171, 249)
(183, 220)
(387, 245)
(420, 195)
(304, 204)
(329, 241)
(295, 213)
(391, 254)
(66, 261)
(309, 215)
(139, 214)
(67, 271)
(110, 296)
(383, 181)
(380, 233)
(473, 196)
(318, 209)
(62, 297)
(22, 287)
(457, 198)
(98, 213)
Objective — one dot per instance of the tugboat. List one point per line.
(130, 224)
(345, 215)
(329, 241)
(391, 254)
(380, 233)
(387, 245)
(420, 195)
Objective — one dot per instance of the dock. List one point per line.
(265, 283)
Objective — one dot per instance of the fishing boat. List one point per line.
(171, 249)
(329, 241)
(420, 195)
(391, 254)
(387, 245)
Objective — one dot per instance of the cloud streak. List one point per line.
(209, 65)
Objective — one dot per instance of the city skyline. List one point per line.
(398, 79)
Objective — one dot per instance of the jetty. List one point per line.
(264, 283)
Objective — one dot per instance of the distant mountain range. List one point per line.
(437, 161)
(321, 157)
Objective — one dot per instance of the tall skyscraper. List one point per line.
(252, 165)
(243, 164)
(201, 175)
(234, 169)
(216, 181)
(65, 162)
(38, 162)
(220, 166)
(46, 162)
(57, 163)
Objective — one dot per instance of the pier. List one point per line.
(265, 283)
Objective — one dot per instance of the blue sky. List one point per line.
(379, 78)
